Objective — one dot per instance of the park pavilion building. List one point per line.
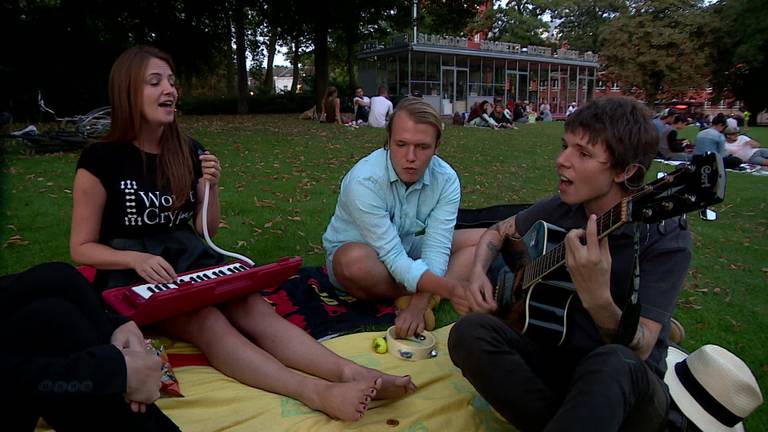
(452, 73)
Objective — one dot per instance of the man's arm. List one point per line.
(607, 316)
(364, 202)
(479, 293)
(438, 232)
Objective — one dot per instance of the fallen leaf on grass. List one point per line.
(16, 240)
(736, 325)
(264, 203)
(316, 248)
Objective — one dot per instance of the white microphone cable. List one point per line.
(208, 237)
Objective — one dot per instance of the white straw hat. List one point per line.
(712, 387)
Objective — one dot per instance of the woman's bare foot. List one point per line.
(392, 386)
(343, 401)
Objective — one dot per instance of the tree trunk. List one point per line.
(269, 84)
(351, 66)
(295, 63)
(321, 62)
(242, 69)
(231, 71)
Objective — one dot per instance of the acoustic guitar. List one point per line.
(533, 291)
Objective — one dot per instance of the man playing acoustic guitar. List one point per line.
(601, 376)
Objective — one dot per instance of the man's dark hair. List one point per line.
(679, 118)
(623, 126)
(719, 119)
(669, 112)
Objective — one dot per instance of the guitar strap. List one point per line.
(630, 316)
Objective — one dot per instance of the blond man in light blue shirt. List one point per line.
(392, 233)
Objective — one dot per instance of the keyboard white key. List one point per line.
(147, 290)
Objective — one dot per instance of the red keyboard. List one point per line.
(148, 303)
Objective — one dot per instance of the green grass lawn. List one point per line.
(281, 177)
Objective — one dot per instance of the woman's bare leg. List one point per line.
(234, 355)
(294, 348)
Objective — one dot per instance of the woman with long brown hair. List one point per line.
(135, 197)
(331, 107)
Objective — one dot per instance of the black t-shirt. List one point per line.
(665, 254)
(136, 207)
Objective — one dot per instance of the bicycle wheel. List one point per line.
(95, 124)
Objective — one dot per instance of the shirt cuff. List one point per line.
(414, 274)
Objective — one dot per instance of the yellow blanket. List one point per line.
(444, 401)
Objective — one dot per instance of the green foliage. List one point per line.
(653, 48)
(66, 48)
(739, 59)
(257, 104)
(520, 22)
(444, 17)
(582, 21)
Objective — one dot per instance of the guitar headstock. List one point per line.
(693, 186)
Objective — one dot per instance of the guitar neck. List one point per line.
(608, 222)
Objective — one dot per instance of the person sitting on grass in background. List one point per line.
(745, 148)
(544, 112)
(603, 376)
(331, 106)
(479, 117)
(712, 140)
(392, 233)
(136, 197)
(570, 110)
(381, 109)
(362, 106)
(501, 118)
(670, 146)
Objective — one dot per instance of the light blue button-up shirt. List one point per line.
(377, 209)
(710, 140)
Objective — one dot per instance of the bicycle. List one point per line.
(71, 133)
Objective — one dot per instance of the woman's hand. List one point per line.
(128, 336)
(152, 268)
(211, 168)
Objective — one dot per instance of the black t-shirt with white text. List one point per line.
(135, 206)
